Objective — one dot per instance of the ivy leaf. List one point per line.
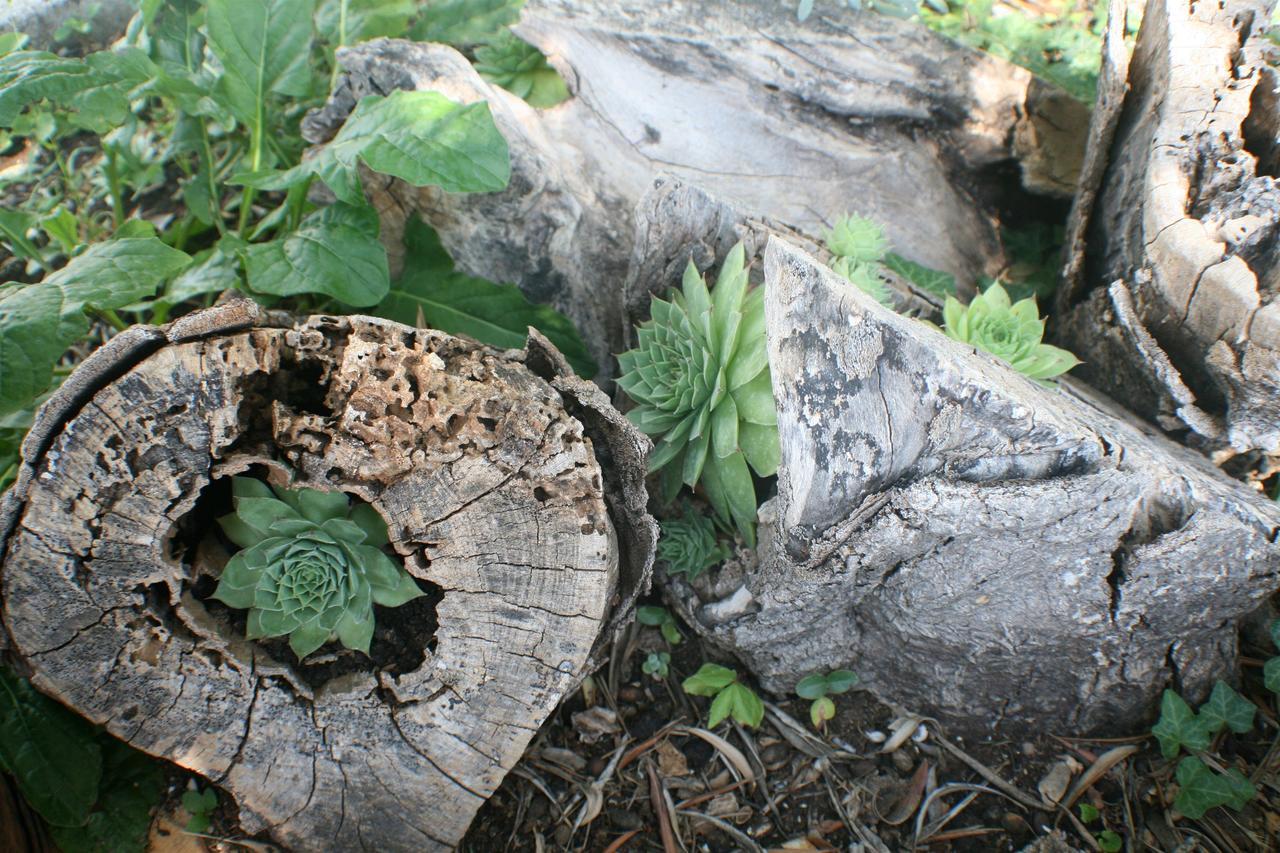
(1179, 726)
(335, 251)
(50, 751)
(463, 22)
(420, 137)
(265, 48)
(39, 321)
(431, 292)
(937, 282)
(131, 786)
(1200, 789)
(709, 680)
(1271, 674)
(1227, 708)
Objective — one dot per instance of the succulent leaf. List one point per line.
(1010, 331)
(311, 566)
(689, 545)
(858, 248)
(700, 379)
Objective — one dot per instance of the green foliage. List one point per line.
(464, 22)
(1034, 253)
(200, 805)
(312, 566)
(940, 284)
(431, 292)
(1227, 709)
(95, 792)
(657, 664)
(1009, 331)
(38, 322)
(701, 378)
(1179, 727)
(858, 248)
(521, 69)
(819, 688)
(264, 47)
(731, 698)
(1088, 813)
(689, 545)
(1110, 841)
(1200, 789)
(660, 618)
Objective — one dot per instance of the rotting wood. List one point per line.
(976, 546)
(792, 122)
(1170, 291)
(494, 496)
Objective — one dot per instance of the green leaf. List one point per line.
(671, 633)
(431, 293)
(62, 227)
(200, 806)
(841, 681)
(463, 22)
(265, 48)
(1200, 789)
(50, 751)
(940, 284)
(821, 710)
(364, 19)
(1270, 670)
(1227, 708)
(721, 707)
(521, 69)
(1179, 727)
(420, 137)
(709, 680)
(812, 686)
(652, 615)
(38, 322)
(29, 76)
(1088, 813)
(335, 251)
(211, 271)
(1275, 633)
(132, 784)
(744, 705)
(1110, 842)
(14, 225)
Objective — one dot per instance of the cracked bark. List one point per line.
(1174, 264)
(463, 450)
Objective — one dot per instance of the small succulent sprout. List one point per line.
(731, 697)
(858, 248)
(311, 566)
(700, 377)
(521, 69)
(820, 688)
(657, 664)
(1011, 331)
(660, 618)
(689, 545)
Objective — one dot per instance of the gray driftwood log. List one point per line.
(1171, 282)
(976, 546)
(794, 122)
(485, 466)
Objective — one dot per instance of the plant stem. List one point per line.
(342, 39)
(113, 187)
(114, 319)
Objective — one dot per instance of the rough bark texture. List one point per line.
(974, 545)
(797, 122)
(494, 496)
(1172, 296)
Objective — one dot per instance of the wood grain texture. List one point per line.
(1186, 217)
(492, 492)
(797, 123)
(974, 545)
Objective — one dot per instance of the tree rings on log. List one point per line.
(486, 467)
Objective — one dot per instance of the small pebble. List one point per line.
(876, 736)
(921, 734)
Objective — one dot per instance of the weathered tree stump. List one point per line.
(794, 122)
(485, 465)
(1171, 283)
(974, 545)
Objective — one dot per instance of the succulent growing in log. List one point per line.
(1011, 331)
(858, 248)
(689, 545)
(701, 378)
(311, 566)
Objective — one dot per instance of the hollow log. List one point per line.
(487, 469)
(1171, 281)
(794, 122)
(976, 546)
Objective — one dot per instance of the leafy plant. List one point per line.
(820, 688)
(311, 566)
(858, 248)
(689, 545)
(701, 378)
(200, 805)
(660, 618)
(731, 698)
(940, 284)
(521, 69)
(1011, 332)
(1179, 727)
(657, 664)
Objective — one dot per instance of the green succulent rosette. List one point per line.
(1011, 331)
(311, 566)
(858, 247)
(700, 377)
(521, 69)
(689, 545)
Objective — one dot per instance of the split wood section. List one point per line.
(493, 494)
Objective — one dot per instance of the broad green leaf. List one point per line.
(1088, 813)
(745, 706)
(652, 616)
(39, 321)
(709, 680)
(671, 633)
(721, 708)
(841, 681)
(62, 227)
(200, 805)
(420, 137)
(341, 22)
(1110, 841)
(132, 784)
(463, 22)
(821, 710)
(1275, 633)
(1200, 789)
(940, 284)
(812, 686)
(335, 252)
(50, 751)
(1179, 727)
(97, 99)
(431, 293)
(1227, 708)
(211, 271)
(265, 48)
(1270, 671)
(9, 42)
(14, 225)
(521, 69)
